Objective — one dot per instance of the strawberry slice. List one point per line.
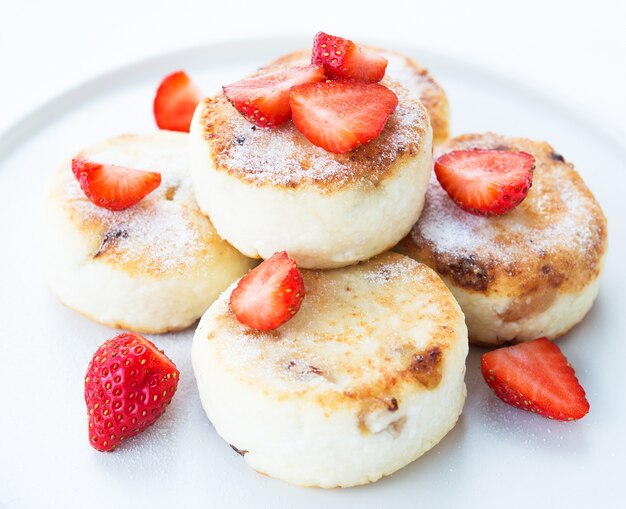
(486, 182)
(175, 102)
(340, 115)
(535, 376)
(270, 294)
(343, 59)
(264, 100)
(114, 187)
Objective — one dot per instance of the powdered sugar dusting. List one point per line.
(154, 233)
(357, 326)
(164, 232)
(447, 226)
(277, 156)
(399, 270)
(558, 215)
(285, 157)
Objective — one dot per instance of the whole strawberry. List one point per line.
(129, 383)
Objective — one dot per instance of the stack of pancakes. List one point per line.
(369, 374)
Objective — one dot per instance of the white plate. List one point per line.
(495, 455)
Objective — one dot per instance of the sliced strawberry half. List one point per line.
(486, 182)
(535, 376)
(341, 115)
(270, 294)
(343, 59)
(264, 100)
(175, 102)
(114, 187)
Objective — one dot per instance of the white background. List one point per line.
(576, 49)
(572, 50)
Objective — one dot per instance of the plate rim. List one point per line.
(33, 121)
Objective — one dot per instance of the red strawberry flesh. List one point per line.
(341, 115)
(264, 100)
(175, 102)
(535, 376)
(270, 294)
(486, 182)
(128, 385)
(114, 187)
(343, 59)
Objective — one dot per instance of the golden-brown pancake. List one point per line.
(154, 267)
(365, 378)
(269, 190)
(531, 272)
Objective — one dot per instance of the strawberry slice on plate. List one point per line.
(175, 102)
(270, 294)
(341, 115)
(114, 187)
(535, 376)
(264, 100)
(486, 182)
(343, 59)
